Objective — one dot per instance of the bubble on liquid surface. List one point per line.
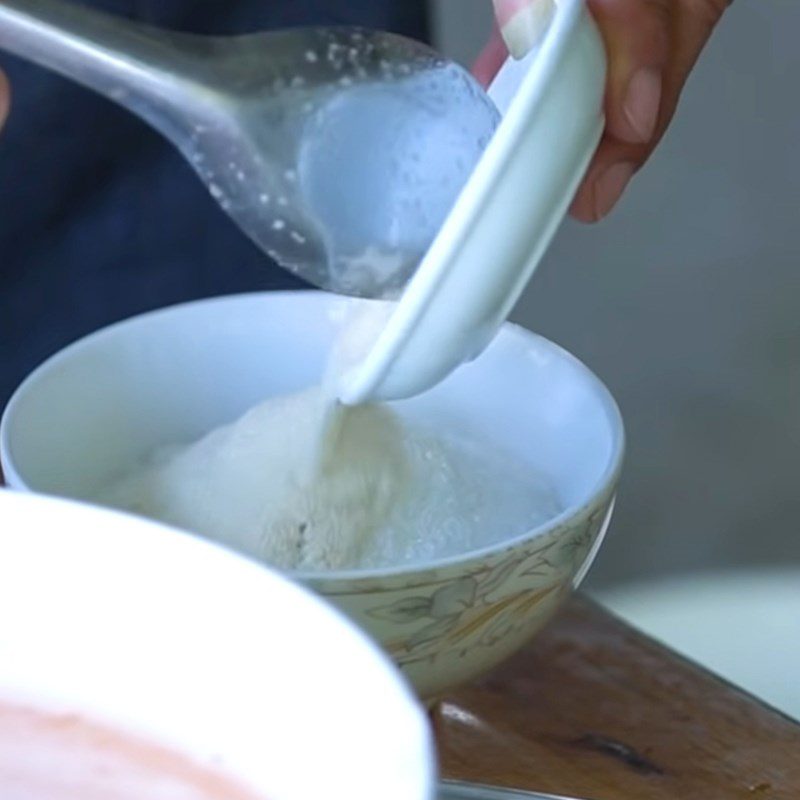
(376, 490)
(370, 153)
(465, 495)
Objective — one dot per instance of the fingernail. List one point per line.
(642, 104)
(523, 22)
(610, 186)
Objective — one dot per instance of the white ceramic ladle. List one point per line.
(505, 218)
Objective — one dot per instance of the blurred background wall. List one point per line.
(687, 303)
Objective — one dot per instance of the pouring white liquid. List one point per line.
(303, 482)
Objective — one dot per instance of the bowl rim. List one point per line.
(602, 488)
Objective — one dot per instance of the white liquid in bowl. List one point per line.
(300, 485)
(303, 482)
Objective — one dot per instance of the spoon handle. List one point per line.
(137, 66)
(455, 790)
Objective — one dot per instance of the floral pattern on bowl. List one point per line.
(447, 625)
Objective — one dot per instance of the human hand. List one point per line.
(652, 47)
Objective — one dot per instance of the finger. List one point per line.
(5, 98)
(618, 158)
(491, 59)
(522, 23)
(638, 36)
(614, 165)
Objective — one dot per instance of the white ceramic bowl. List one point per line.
(91, 412)
(169, 638)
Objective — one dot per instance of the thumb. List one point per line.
(522, 23)
(491, 59)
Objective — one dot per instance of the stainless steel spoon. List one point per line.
(455, 790)
(338, 151)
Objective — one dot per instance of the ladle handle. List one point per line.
(135, 65)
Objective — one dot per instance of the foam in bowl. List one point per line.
(304, 485)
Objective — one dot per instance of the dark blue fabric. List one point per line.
(99, 217)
